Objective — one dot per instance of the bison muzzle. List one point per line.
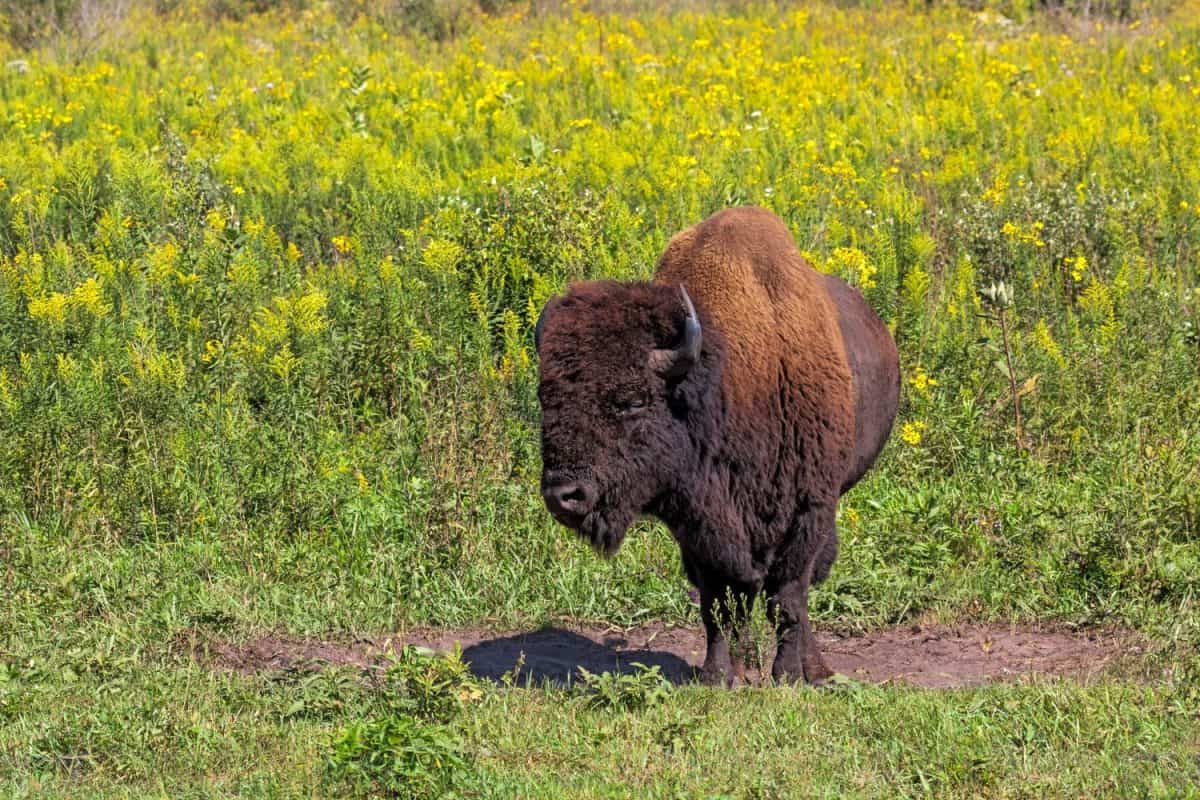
(735, 397)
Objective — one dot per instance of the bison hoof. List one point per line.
(725, 677)
(719, 678)
(814, 674)
(817, 674)
(730, 676)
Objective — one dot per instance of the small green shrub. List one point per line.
(432, 687)
(398, 756)
(634, 691)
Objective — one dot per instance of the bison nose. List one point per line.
(570, 502)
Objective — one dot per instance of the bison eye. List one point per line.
(626, 406)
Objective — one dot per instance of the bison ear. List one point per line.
(537, 329)
(675, 362)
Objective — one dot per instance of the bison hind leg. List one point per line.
(825, 559)
(814, 548)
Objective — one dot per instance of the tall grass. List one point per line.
(267, 282)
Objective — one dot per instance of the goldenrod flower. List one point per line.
(90, 296)
(51, 308)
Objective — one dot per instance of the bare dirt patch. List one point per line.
(933, 656)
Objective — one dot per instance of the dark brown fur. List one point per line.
(745, 455)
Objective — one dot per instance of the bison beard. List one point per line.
(735, 398)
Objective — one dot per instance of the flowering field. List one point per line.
(266, 295)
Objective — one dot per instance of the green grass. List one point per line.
(178, 730)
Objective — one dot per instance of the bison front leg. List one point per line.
(798, 655)
(723, 611)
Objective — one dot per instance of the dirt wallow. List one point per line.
(932, 656)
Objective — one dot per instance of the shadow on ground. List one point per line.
(554, 656)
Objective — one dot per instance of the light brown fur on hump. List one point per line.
(743, 268)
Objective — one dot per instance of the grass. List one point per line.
(266, 289)
(185, 732)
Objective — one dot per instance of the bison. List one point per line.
(735, 397)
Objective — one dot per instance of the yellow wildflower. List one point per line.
(995, 193)
(1078, 266)
(442, 255)
(212, 350)
(284, 361)
(90, 296)
(307, 312)
(162, 260)
(1031, 235)
(52, 308)
(853, 263)
(419, 340)
(921, 381)
(7, 400)
(66, 366)
(911, 432)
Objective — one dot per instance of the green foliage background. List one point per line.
(267, 301)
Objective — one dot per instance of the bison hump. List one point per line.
(747, 277)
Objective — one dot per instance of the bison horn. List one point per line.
(675, 362)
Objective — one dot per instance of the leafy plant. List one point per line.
(644, 687)
(324, 693)
(430, 686)
(399, 756)
(999, 297)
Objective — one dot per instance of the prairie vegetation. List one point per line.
(267, 280)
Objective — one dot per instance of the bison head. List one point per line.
(613, 358)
